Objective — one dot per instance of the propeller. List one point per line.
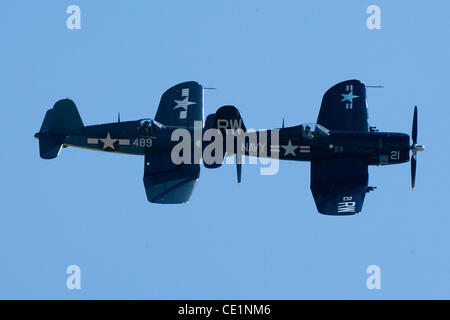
(414, 147)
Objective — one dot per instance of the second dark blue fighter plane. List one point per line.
(165, 182)
(340, 147)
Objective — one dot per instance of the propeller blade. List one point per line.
(414, 127)
(413, 170)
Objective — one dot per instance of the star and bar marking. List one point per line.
(184, 103)
(349, 96)
(108, 142)
(289, 149)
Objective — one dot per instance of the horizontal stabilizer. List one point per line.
(50, 145)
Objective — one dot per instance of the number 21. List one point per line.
(395, 155)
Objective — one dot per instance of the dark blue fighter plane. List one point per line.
(180, 107)
(340, 147)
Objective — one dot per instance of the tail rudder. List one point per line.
(49, 143)
(58, 123)
(228, 120)
(210, 124)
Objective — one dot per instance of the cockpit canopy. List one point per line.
(314, 130)
(149, 126)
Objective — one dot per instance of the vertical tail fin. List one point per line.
(58, 123)
(210, 123)
(228, 120)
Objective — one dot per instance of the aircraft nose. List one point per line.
(419, 147)
(403, 140)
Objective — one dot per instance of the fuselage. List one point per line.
(122, 137)
(378, 148)
(130, 137)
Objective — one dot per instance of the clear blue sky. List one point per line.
(264, 238)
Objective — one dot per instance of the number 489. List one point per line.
(143, 142)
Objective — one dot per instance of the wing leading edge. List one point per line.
(181, 105)
(166, 182)
(339, 186)
(344, 107)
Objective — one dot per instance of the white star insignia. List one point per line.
(108, 142)
(185, 103)
(289, 148)
(348, 97)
